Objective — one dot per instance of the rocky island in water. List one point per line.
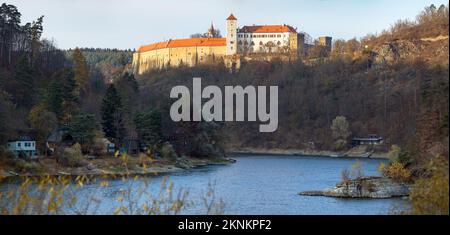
(364, 187)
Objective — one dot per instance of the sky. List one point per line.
(127, 24)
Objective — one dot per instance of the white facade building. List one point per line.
(24, 145)
(260, 38)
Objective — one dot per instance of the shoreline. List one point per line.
(156, 170)
(310, 153)
(172, 167)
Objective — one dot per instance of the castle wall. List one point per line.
(176, 56)
(239, 44)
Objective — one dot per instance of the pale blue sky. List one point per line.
(130, 23)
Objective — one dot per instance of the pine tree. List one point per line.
(148, 126)
(81, 70)
(36, 33)
(112, 115)
(24, 83)
(61, 97)
(82, 129)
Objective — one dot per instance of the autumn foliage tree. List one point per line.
(340, 131)
(42, 121)
(81, 70)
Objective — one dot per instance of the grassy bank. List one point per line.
(107, 167)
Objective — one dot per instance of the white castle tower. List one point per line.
(231, 35)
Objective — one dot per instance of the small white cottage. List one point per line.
(23, 145)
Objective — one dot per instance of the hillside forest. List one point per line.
(394, 84)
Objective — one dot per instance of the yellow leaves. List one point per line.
(145, 208)
(382, 167)
(104, 184)
(430, 195)
(395, 171)
(80, 184)
(117, 211)
(174, 206)
(60, 195)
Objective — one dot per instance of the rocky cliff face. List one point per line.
(433, 50)
(368, 187)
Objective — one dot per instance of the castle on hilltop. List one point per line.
(239, 43)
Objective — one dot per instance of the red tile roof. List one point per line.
(231, 17)
(267, 29)
(190, 42)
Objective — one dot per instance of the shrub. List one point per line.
(6, 157)
(25, 166)
(429, 196)
(72, 157)
(396, 154)
(168, 152)
(395, 171)
(345, 175)
(357, 170)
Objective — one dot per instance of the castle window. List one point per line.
(261, 43)
(279, 35)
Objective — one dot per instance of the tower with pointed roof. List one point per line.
(231, 36)
(212, 32)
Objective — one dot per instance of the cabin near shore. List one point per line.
(24, 146)
(371, 139)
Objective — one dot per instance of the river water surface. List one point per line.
(262, 184)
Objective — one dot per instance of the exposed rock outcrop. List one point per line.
(366, 187)
(183, 163)
(429, 49)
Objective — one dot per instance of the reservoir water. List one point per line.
(259, 184)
